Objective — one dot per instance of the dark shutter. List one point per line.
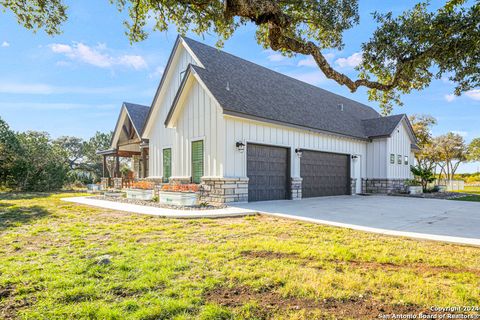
(197, 161)
(167, 164)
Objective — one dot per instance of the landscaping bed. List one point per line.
(158, 204)
(434, 195)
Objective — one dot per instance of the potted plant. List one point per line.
(179, 194)
(414, 186)
(141, 190)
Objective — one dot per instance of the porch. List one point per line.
(113, 175)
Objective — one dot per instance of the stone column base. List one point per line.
(383, 186)
(117, 183)
(353, 185)
(296, 188)
(104, 183)
(219, 190)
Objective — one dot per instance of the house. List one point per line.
(247, 133)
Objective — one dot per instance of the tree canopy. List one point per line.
(404, 53)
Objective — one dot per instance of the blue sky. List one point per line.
(74, 83)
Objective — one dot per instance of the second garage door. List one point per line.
(268, 172)
(324, 174)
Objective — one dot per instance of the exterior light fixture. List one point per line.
(299, 152)
(354, 156)
(240, 146)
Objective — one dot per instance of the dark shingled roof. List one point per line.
(381, 127)
(138, 114)
(255, 91)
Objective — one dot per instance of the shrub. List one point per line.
(181, 187)
(145, 185)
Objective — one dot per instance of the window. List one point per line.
(392, 158)
(399, 159)
(406, 160)
(197, 161)
(167, 164)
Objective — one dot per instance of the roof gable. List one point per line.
(160, 93)
(136, 114)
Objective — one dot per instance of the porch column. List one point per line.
(144, 163)
(104, 166)
(117, 166)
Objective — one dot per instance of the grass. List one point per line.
(475, 194)
(59, 260)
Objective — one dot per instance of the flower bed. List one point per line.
(179, 194)
(141, 190)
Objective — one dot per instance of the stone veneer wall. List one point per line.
(384, 186)
(296, 188)
(223, 190)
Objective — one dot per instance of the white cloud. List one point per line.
(351, 61)
(314, 77)
(54, 106)
(157, 73)
(276, 57)
(473, 94)
(310, 62)
(449, 97)
(46, 89)
(5, 44)
(98, 56)
(461, 133)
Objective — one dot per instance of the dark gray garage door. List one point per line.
(268, 172)
(324, 174)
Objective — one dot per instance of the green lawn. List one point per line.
(475, 194)
(237, 268)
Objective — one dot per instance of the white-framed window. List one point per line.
(399, 159)
(392, 158)
(406, 160)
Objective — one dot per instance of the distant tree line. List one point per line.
(441, 154)
(33, 161)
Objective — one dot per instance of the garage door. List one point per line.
(324, 174)
(268, 172)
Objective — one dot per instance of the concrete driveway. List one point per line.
(443, 220)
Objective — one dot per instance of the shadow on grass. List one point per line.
(12, 216)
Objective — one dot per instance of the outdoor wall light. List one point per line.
(240, 146)
(299, 152)
(354, 156)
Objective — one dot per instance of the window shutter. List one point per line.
(197, 161)
(167, 164)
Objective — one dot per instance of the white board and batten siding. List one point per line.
(379, 151)
(399, 144)
(160, 136)
(251, 131)
(377, 159)
(201, 118)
